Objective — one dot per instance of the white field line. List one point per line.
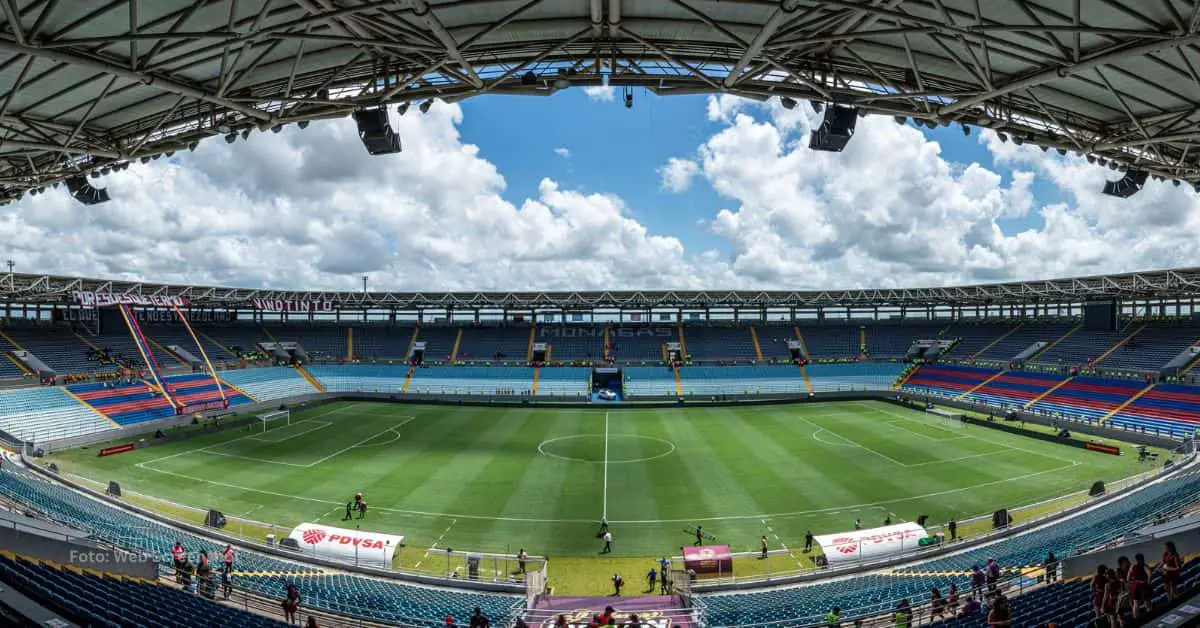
(435, 543)
(365, 440)
(325, 515)
(781, 543)
(319, 425)
(604, 500)
(779, 515)
(240, 438)
(1012, 447)
(853, 442)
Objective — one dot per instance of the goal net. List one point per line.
(275, 419)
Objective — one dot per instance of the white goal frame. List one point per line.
(275, 415)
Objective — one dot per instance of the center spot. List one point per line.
(622, 448)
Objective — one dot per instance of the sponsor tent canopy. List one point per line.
(361, 547)
(870, 544)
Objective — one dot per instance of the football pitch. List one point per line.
(498, 479)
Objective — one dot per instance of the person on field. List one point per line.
(953, 527)
(857, 524)
(618, 584)
(349, 509)
(521, 558)
(651, 578)
(808, 541)
(607, 543)
(763, 543)
(699, 536)
(362, 509)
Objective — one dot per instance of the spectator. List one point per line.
(560, 621)
(449, 623)
(1051, 567)
(1099, 581)
(992, 575)
(634, 621)
(970, 608)
(178, 554)
(226, 583)
(937, 604)
(1171, 564)
(903, 614)
(227, 556)
(977, 580)
(833, 619)
(1139, 584)
(311, 623)
(1001, 614)
(291, 603)
(478, 619)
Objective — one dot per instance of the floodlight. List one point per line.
(1003, 137)
(229, 139)
(85, 193)
(424, 107)
(816, 106)
(303, 124)
(403, 108)
(966, 130)
(787, 103)
(1128, 185)
(901, 120)
(376, 132)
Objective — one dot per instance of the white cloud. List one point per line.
(602, 93)
(563, 152)
(310, 209)
(677, 174)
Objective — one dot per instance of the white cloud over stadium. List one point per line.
(311, 210)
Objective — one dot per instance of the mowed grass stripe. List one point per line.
(631, 485)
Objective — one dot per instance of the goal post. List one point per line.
(276, 417)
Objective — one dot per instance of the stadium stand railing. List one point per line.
(320, 342)
(649, 381)
(564, 381)
(472, 380)
(736, 380)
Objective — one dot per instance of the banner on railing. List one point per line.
(217, 404)
(288, 305)
(708, 559)
(873, 543)
(101, 299)
(351, 546)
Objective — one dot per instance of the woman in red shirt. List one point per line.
(1139, 584)
(1098, 586)
(1171, 564)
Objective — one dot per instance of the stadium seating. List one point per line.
(773, 340)
(502, 344)
(57, 346)
(861, 376)
(873, 593)
(1069, 603)
(832, 341)
(1152, 348)
(168, 335)
(42, 414)
(439, 342)
(654, 381)
(948, 380)
(472, 380)
(1082, 347)
(740, 380)
(199, 388)
(1088, 398)
(93, 599)
(320, 342)
(388, 378)
(271, 383)
(1009, 346)
(564, 380)
(371, 598)
(382, 342)
(125, 404)
(1172, 408)
(8, 368)
(1014, 389)
(974, 337)
(719, 343)
(640, 344)
(572, 342)
(890, 341)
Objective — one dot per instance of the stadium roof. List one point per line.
(86, 86)
(1182, 284)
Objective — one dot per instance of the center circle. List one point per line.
(621, 448)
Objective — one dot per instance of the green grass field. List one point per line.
(496, 479)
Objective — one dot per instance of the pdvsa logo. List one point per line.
(312, 537)
(847, 549)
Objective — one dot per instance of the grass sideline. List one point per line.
(497, 479)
